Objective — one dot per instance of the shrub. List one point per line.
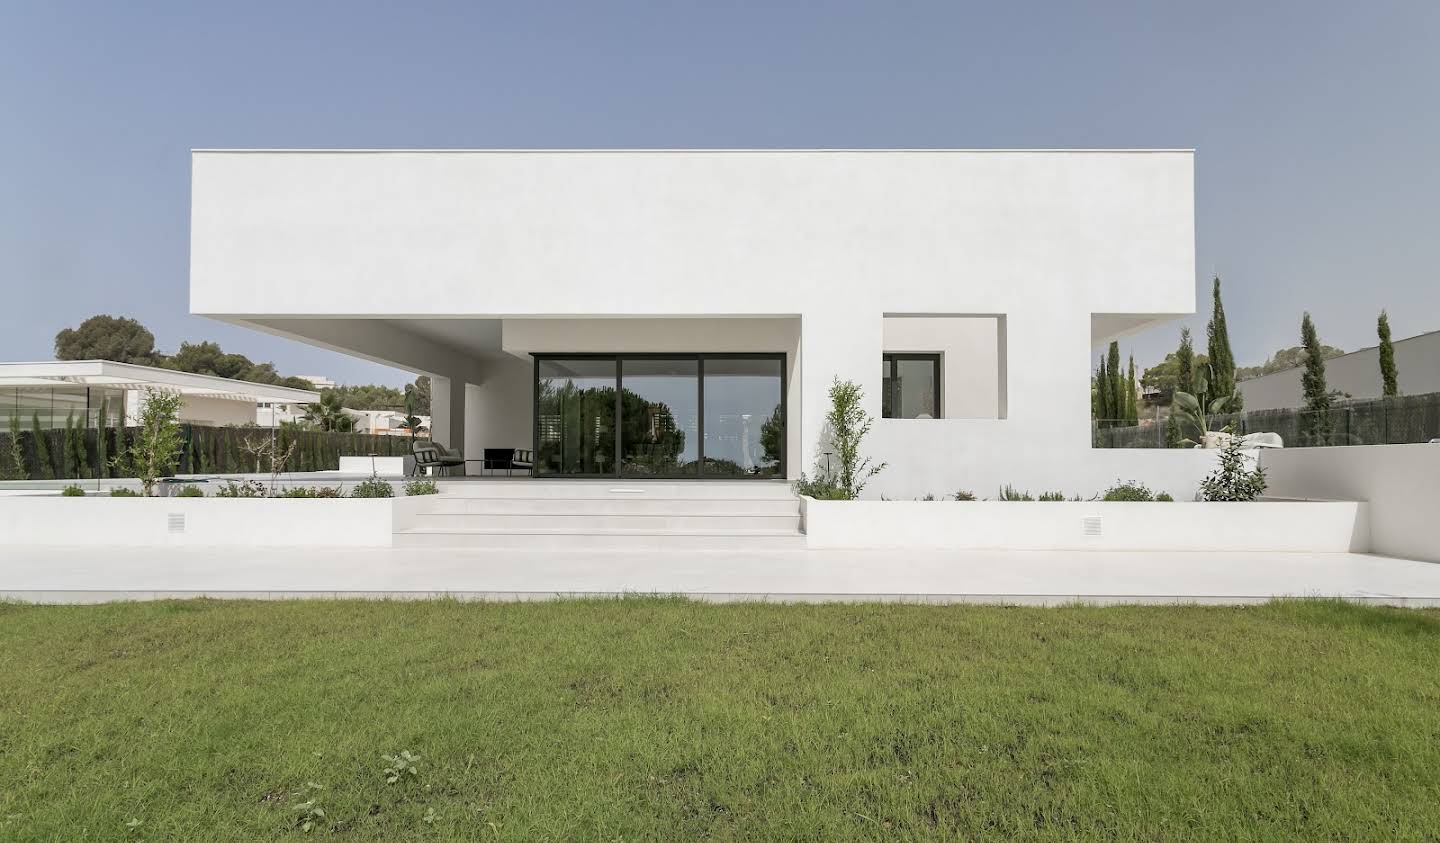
(1231, 480)
(190, 492)
(242, 489)
(72, 491)
(820, 488)
(372, 488)
(298, 492)
(1052, 496)
(329, 492)
(963, 495)
(1164, 496)
(1131, 491)
(424, 486)
(123, 492)
(1010, 493)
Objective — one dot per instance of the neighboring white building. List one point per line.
(1357, 374)
(664, 308)
(385, 422)
(58, 390)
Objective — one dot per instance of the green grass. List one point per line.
(668, 720)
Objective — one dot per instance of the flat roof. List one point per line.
(800, 150)
(112, 375)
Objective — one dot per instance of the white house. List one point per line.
(385, 422)
(103, 392)
(642, 314)
(1357, 374)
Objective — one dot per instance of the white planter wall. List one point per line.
(213, 522)
(1043, 525)
(1400, 482)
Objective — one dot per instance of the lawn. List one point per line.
(649, 719)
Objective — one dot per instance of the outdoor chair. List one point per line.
(508, 459)
(432, 454)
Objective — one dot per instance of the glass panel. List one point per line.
(575, 417)
(660, 417)
(887, 388)
(744, 417)
(917, 388)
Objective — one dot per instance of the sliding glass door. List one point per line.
(672, 416)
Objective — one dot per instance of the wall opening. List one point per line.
(944, 366)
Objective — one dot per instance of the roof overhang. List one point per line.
(112, 375)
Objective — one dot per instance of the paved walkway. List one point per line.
(69, 575)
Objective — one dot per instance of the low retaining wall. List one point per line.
(1334, 526)
(1400, 482)
(213, 522)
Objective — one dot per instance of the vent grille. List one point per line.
(176, 522)
(1091, 525)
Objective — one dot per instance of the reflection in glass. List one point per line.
(660, 417)
(744, 422)
(575, 417)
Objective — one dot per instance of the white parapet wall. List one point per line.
(208, 522)
(1331, 526)
(1400, 482)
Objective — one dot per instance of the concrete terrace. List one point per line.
(83, 575)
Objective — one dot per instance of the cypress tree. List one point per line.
(1115, 381)
(1222, 362)
(1132, 405)
(1315, 425)
(44, 469)
(1390, 378)
(102, 469)
(15, 454)
(1102, 394)
(1185, 363)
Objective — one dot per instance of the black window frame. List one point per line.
(889, 359)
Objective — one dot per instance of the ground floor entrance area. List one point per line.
(661, 416)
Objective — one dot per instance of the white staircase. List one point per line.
(605, 515)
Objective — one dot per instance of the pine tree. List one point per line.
(1389, 377)
(1222, 361)
(1316, 424)
(44, 469)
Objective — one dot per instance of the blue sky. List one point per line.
(1317, 126)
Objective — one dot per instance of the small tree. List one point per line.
(15, 457)
(44, 469)
(102, 443)
(1115, 382)
(1389, 376)
(1316, 425)
(1132, 406)
(157, 444)
(848, 424)
(1185, 362)
(1232, 480)
(1222, 361)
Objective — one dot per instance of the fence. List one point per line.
(1402, 420)
(76, 454)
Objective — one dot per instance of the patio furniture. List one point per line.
(431, 454)
(508, 459)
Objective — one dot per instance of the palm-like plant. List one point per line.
(1192, 409)
(328, 414)
(412, 421)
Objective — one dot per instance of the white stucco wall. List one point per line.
(971, 352)
(1400, 482)
(834, 239)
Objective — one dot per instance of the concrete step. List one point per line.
(592, 539)
(617, 489)
(712, 522)
(463, 505)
